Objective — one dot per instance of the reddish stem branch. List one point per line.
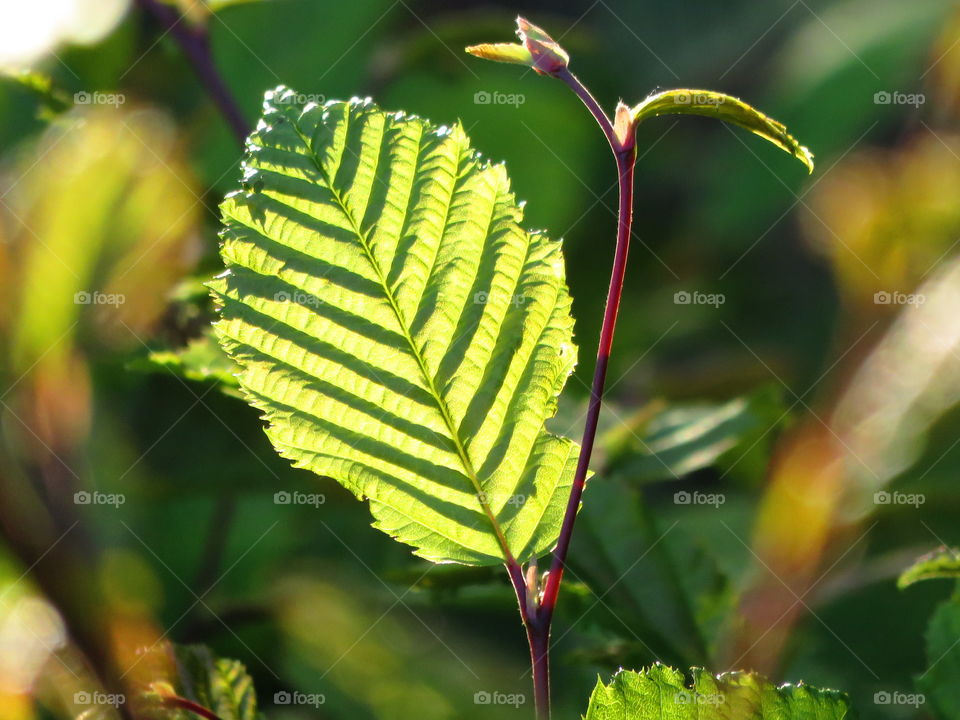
(195, 43)
(174, 701)
(538, 619)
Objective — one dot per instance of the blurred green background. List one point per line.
(827, 372)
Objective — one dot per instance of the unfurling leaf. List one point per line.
(192, 673)
(662, 692)
(722, 107)
(399, 329)
(536, 49)
(943, 562)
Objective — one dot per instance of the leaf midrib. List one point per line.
(469, 470)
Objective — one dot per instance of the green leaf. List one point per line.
(662, 692)
(399, 329)
(220, 685)
(536, 49)
(680, 439)
(943, 562)
(940, 684)
(726, 108)
(201, 360)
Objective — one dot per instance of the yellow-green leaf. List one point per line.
(722, 107)
(398, 327)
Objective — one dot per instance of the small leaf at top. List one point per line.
(662, 692)
(722, 107)
(536, 49)
(943, 562)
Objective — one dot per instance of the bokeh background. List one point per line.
(781, 438)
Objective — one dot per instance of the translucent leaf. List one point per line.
(680, 439)
(941, 563)
(399, 329)
(662, 692)
(536, 49)
(722, 107)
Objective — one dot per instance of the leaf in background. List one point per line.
(669, 595)
(680, 439)
(941, 681)
(400, 330)
(220, 685)
(201, 360)
(662, 692)
(943, 562)
(722, 107)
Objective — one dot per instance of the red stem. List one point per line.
(189, 705)
(539, 618)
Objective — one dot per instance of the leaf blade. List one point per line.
(661, 691)
(721, 106)
(944, 562)
(378, 274)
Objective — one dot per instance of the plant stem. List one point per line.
(174, 701)
(538, 618)
(195, 43)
